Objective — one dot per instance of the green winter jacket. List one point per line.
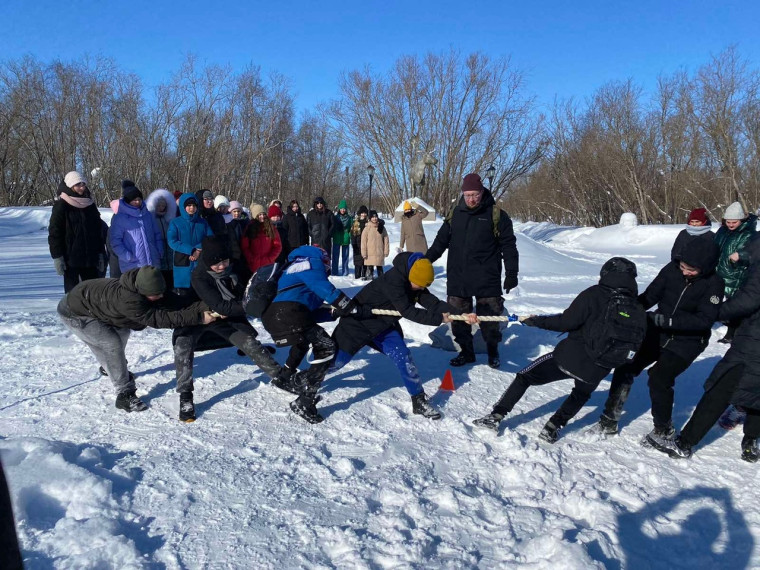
(734, 274)
(342, 227)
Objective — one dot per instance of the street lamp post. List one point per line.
(490, 173)
(371, 174)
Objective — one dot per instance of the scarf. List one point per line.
(226, 282)
(77, 202)
(698, 230)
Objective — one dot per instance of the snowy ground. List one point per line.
(249, 485)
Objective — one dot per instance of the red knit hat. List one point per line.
(698, 215)
(274, 211)
(472, 183)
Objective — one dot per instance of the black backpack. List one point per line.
(614, 337)
(262, 289)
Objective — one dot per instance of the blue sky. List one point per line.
(566, 49)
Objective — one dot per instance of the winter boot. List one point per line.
(749, 449)
(290, 380)
(186, 407)
(675, 447)
(550, 433)
(606, 426)
(104, 373)
(422, 407)
(664, 439)
(462, 358)
(493, 357)
(129, 402)
(491, 421)
(306, 407)
(732, 417)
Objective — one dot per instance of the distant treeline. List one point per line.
(423, 126)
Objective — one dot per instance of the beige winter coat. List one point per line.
(375, 245)
(412, 233)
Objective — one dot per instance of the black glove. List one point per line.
(510, 281)
(344, 306)
(661, 321)
(530, 322)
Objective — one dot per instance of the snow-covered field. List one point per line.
(250, 485)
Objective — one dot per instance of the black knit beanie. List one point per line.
(214, 250)
(129, 191)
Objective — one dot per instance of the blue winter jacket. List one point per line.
(135, 239)
(308, 270)
(186, 233)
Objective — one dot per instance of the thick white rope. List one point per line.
(505, 318)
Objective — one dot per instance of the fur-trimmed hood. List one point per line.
(152, 201)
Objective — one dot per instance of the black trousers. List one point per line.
(713, 403)
(544, 370)
(324, 349)
(485, 306)
(219, 334)
(662, 378)
(369, 271)
(72, 276)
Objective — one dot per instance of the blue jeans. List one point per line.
(336, 251)
(392, 345)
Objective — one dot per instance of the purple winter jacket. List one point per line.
(135, 238)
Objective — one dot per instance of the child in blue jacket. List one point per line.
(186, 232)
(292, 318)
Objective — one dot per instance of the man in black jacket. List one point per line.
(321, 221)
(217, 284)
(688, 295)
(735, 379)
(400, 289)
(572, 357)
(479, 242)
(103, 312)
(75, 233)
(295, 225)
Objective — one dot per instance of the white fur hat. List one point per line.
(734, 212)
(72, 178)
(221, 200)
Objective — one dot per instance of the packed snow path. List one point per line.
(250, 485)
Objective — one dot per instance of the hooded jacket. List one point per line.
(321, 227)
(392, 291)
(294, 224)
(572, 354)
(162, 221)
(117, 302)
(476, 255)
(222, 293)
(135, 239)
(75, 233)
(186, 233)
(691, 305)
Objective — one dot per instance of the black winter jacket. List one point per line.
(571, 353)
(391, 291)
(76, 234)
(745, 348)
(684, 238)
(691, 305)
(296, 227)
(321, 228)
(117, 302)
(207, 287)
(475, 254)
(214, 219)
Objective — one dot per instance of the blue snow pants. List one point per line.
(392, 345)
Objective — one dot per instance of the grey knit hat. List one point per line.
(734, 212)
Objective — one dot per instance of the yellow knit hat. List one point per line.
(407, 206)
(421, 273)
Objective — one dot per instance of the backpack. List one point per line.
(617, 333)
(262, 289)
(495, 217)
